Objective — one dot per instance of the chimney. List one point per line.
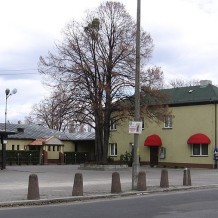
(204, 83)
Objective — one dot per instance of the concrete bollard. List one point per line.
(141, 184)
(78, 185)
(164, 182)
(187, 177)
(115, 185)
(33, 188)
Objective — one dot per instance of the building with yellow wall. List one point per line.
(51, 146)
(186, 138)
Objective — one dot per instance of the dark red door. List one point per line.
(154, 155)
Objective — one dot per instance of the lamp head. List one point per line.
(7, 92)
(14, 91)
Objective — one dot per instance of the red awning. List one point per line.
(153, 140)
(198, 138)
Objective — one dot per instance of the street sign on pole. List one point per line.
(135, 127)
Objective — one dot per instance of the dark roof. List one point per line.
(192, 94)
(81, 136)
(34, 131)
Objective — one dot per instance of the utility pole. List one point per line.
(135, 165)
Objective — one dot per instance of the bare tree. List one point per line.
(96, 61)
(183, 83)
(54, 112)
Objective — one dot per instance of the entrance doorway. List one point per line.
(154, 151)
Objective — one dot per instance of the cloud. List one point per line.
(184, 34)
(29, 92)
(185, 37)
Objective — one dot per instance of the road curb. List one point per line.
(41, 202)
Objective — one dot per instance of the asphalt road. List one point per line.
(192, 204)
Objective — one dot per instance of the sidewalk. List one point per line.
(56, 181)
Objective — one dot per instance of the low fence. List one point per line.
(33, 157)
(75, 157)
(21, 157)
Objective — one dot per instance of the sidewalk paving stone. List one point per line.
(56, 181)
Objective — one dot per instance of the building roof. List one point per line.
(192, 94)
(81, 136)
(34, 131)
(38, 142)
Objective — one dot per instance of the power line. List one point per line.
(10, 74)
(17, 69)
(18, 72)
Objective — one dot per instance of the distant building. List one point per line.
(52, 146)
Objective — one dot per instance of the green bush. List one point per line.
(127, 158)
(110, 160)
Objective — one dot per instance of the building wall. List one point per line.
(18, 143)
(69, 146)
(53, 152)
(187, 120)
(123, 139)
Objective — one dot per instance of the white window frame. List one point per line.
(113, 125)
(113, 149)
(168, 122)
(200, 150)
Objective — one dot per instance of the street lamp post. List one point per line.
(8, 93)
(135, 165)
(5, 134)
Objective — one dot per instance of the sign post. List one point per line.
(135, 165)
(135, 127)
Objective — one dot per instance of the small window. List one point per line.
(20, 129)
(113, 125)
(53, 148)
(200, 149)
(18, 147)
(49, 148)
(168, 121)
(58, 148)
(12, 147)
(113, 149)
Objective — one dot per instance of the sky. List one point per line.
(184, 33)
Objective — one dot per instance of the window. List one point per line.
(49, 148)
(113, 125)
(113, 149)
(200, 149)
(54, 148)
(12, 148)
(20, 129)
(18, 147)
(168, 121)
(58, 148)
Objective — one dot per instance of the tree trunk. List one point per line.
(106, 143)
